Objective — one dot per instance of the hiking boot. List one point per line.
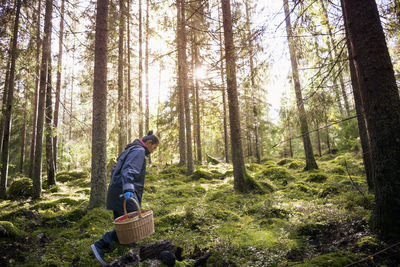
(98, 253)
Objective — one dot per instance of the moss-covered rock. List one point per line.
(67, 176)
(205, 174)
(212, 160)
(280, 174)
(317, 177)
(284, 161)
(296, 164)
(20, 188)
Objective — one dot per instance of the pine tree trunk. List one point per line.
(99, 131)
(197, 104)
(23, 142)
(310, 160)
(290, 148)
(183, 64)
(239, 170)
(361, 122)
(49, 129)
(181, 107)
(58, 84)
(37, 170)
(146, 64)
(334, 49)
(225, 120)
(319, 142)
(129, 73)
(140, 73)
(381, 107)
(253, 84)
(8, 110)
(121, 112)
(4, 104)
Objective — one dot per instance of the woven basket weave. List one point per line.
(134, 226)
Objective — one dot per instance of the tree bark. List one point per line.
(58, 84)
(23, 142)
(37, 170)
(184, 80)
(128, 18)
(51, 180)
(4, 103)
(308, 150)
(140, 72)
(99, 131)
(239, 170)
(8, 110)
(36, 92)
(121, 112)
(225, 120)
(381, 108)
(253, 84)
(146, 65)
(181, 107)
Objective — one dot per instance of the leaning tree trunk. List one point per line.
(37, 170)
(121, 111)
(58, 84)
(99, 131)
(8, 110)
(381, 108)
(239, 170)
(49, 129)
(308, 150)
(181, 107)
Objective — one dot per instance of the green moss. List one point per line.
(284, 161)
(280, 174)
(85, 191)
(256, 187)
(205, 174)
(296, 164)
(254, 167)
(336, 259)
(67, 176)
(357, 200)
(317, 177)
(8, 230)
(57, 204)
(20, 188)
(212, 160)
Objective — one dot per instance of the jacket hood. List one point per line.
(138, 142)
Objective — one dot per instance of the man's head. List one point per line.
(151, 141)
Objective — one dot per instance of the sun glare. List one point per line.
(200, 73)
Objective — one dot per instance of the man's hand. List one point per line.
(128, 195)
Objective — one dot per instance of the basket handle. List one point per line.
(137, 205)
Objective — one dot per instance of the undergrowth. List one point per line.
(290, 217)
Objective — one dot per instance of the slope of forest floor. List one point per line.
(294, 218)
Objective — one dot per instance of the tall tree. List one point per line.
(310, 160)
(58, 84)
(36, 91)
(181, 107)
(129, 101)
(381, 108)
(99, 129)
(51, 180)
(239, 170)
(253, 83)
(23, 142)
(37, 170)
(225, 120)
(184, 73)
(140, 72)
(8, 110)
(146, 65)
(121, 98)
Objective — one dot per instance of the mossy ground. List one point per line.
(297, 218)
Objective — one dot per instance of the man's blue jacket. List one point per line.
(128, 175)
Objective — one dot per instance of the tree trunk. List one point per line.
(4, 104)
(37, 170)
(99, 131)
(129, 74)
(58, 84)
(197, 104)
(8, 110)
(221, 56)
(253, 84)
(319, 142)
(23, 142)
(49, 129)
(36, 91)
(239, 170)
(334, 48)
(146, 65)
(121, 112)
(140, 73)
(185, 89)
(181, 108)
(381, 107)
(310, 160)
(290, 148)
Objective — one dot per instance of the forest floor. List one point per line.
(293, 217)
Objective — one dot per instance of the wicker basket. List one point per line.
(134, 226)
